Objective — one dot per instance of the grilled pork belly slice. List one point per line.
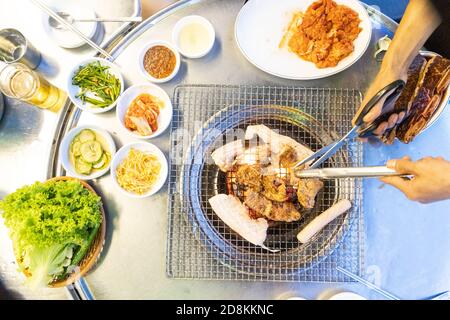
(284, 211)
(274, 188)
(224, 156)
(307, 190)
(276, 141)
(258, 203)
(235, 215)
(272, 210)
(249, 176)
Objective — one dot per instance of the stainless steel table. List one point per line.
(406, 243)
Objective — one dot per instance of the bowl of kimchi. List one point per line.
(144, 111)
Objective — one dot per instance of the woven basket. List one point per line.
(93, 253)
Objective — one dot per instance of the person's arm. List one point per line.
(418, 23)
(430, 182)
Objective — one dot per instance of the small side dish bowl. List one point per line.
(107, 143)
(141, 61)
(193, 36)
(125, 100)
(73, 90)
(146, 147)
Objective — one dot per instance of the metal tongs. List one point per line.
(361, 129)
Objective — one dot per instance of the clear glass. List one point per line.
(14, 47)
(20, 82)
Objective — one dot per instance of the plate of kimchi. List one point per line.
(303, 39)
(144, 110)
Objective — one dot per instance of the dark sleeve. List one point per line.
(440, 40)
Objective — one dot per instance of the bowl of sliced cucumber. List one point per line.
(86, 152)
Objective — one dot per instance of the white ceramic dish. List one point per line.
(122, 153)
(66, 38)
(261, 24)
(65, 145)
(165, 115)
(73, 90)
(144, 72)
(189, 20)
(346, 295)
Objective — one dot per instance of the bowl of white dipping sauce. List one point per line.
(193, 36)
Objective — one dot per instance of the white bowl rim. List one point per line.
(154, 43)
(65, 144)
(84, 62)
(169, 108)
(163, 173)
(209, 26)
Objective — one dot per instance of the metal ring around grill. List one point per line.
(201, 179)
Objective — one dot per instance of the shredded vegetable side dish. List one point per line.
(138, 172)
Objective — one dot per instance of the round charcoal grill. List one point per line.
(202, 179)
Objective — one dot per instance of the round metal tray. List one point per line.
(202, 180)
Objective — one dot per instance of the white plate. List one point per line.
(144, 72)
(64, 151)
(165, 115)
(73, 90)
(261, 24)
(148, 148)
(346, 295)
(66, 38)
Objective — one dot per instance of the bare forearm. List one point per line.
(418, 23)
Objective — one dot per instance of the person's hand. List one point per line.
(383, 78)
(431, 181)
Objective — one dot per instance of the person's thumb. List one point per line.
(404, 165)
(399, 183)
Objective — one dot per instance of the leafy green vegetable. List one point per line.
(52, 225)
(94, 78)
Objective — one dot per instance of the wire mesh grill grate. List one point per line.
(200, 245)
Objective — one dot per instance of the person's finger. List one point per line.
(380, 129)
(392, 121)
(374, 113)
(403, 185)
(404, 165)
(401, 116)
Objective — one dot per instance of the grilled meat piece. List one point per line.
(255, 154)
(274, 188)
(416, 73)
(307, 190)
(284, 211)
(435, 80)
(258, 203)
(224, 156)
(273, 210)
(249, 176)
(235, 215)
(276, 141)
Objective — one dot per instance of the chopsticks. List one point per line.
(368, 284)
(54, 15)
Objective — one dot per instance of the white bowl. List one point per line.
(64, 151)
(165, 115)
(141, 61)
(145, 147)
(182, 23)
(73, 89)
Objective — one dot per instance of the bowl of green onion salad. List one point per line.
(94, 85)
